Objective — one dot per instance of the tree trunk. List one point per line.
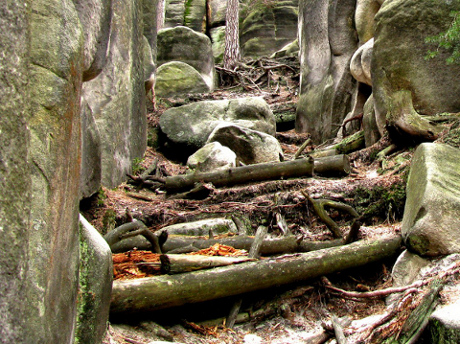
(155, 293)
(232, 35)
(244, 174)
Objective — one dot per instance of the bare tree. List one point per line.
(232, 35)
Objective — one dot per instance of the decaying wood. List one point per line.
(154, 293)
(334, 165)
(318, 206)
(244, 174)
(180, 263)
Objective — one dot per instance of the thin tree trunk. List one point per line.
(232, 35)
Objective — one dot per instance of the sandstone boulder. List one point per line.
(250, 146)
(186, 45)
(400, 62)
(360, 65)
(364, 19)
(211, 157)
(327, 41)
(266, 28)
(432, 211)
(177, 78)
(95, 285)
(187, 128)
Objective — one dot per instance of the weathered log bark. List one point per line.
(155, 293)
(334, 165)
(270, 246)
(244, 174)
(178, 263)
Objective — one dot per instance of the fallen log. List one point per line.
(179, 263)
(155, 293)
(270, 246)
(185, 244)
(334, 165)
(243, 174)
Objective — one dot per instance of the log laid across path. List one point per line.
(160, 292)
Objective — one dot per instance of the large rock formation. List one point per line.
(250, 146)
(187, 128)
(95, 17)
(56, 74)
(95, 285)
(188, 46)
(114, 102)
(178, 78)
(432, 212)
(48, 49)
(400, 64)
(266, 27)
(15, 179)
(327, 41)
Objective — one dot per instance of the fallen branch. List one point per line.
(155, 293)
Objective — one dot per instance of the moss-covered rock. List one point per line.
(400, 57)
(211, 157)
(186, 45)
(327, 40)
(177, 78)
(267, 26)
(187, 128)
(432, 211)
(95, 285)
(250, 146)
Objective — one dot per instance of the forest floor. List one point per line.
(375, 188)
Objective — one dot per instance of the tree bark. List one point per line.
(179, 263)
(244, 174)
(155, 293)
(232, 35)
(288, 244)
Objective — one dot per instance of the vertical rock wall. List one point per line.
(14, 170)
(56, 52)
(327, 41)
(114, 102)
